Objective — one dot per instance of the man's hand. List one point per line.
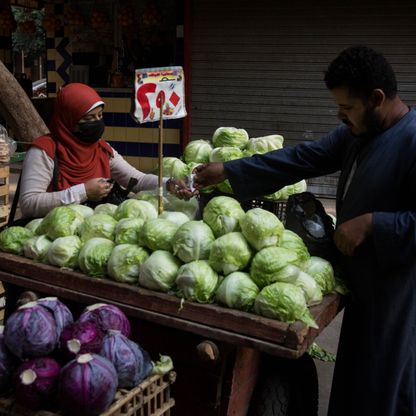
(209, 174)
(97, 188)
(179, 189)
(350, 234)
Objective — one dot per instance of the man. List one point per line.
(375, 149)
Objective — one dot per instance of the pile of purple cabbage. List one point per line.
(53, 362)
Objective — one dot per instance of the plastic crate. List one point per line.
(149, 398)
(277, 207)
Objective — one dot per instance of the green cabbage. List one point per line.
(128, 230)
(311, 289)
(64, 251)
(224, 154)
(293, 242)
(225, 187)
(60, 222)
(82, 209)
(12, 239)
(188, 207)
(285, 302)
(174, 167)
(222, 214)
(149, 196)
(106, 208)
(37, 247)
(192, 241)
(98, 225)
(34, 225)
(132, 208)
(124, 262)
(268, 263)
(286, 191)
(322, 271)
(229, 253)
(197, 281)
(261, 228)
(178, 218)
(159, 271)
(230, 136)
(263, 144)
(158, 234)
(94, 255)
(237, 291)
(197, 151)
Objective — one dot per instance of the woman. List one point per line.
(73, 163)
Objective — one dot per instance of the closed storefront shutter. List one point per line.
(260, 65)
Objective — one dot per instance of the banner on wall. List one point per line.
(153, 86)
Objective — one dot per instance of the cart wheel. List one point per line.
(286, 388)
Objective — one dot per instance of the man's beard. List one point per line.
(372, 122)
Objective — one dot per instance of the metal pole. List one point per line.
(161, 103)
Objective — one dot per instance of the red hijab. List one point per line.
(78, 161)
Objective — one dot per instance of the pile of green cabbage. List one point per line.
(243, 260)
(227, 143)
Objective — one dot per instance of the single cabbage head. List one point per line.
(106, 208)
(260, 145)
(124, 262)
(128, 230)
(159, 271)
(225, 187)
(311, 289)
(94, 255)
(192, 241)
(268, 264)
(197, 151)
(322, 271)
(223, 214)
(98, 225)
(285, 302)
(82, 209)
(261, 228)
(37, 247)
(179, 218)
(12, 239)
(197, 281)
(224, 154)
(60, 222)
(158, 234)
(237, 291)
(133, 208)
(34, 224)
(64, 251)
(149, 196)
(229, 253)
(230, 136)
(293, 242)
(189, 207)
(174, 167)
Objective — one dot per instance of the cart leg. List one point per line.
(244, 379)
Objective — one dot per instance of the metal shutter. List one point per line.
(259, 65)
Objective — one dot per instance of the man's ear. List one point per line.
(377, 97)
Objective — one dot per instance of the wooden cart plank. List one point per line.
(201, 329)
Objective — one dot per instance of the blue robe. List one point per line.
(375, 371)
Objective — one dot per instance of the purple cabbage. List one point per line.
(8, 363)
(80, 338)
(107, 317)
(31, 331)
(132, 363)
(37, 382)
(87, 385)
(61, 313)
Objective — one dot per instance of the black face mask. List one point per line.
(91, 131)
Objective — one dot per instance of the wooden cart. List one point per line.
(217, 351)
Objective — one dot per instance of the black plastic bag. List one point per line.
(117, 194)
(306, 216)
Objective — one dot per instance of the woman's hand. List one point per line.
(97, 188)
(179, 189)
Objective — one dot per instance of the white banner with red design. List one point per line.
(155, 85)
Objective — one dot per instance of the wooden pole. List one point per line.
(17, 109)
(161, 103)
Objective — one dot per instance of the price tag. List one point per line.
(153, 86)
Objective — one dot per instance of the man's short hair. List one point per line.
(362, 70)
